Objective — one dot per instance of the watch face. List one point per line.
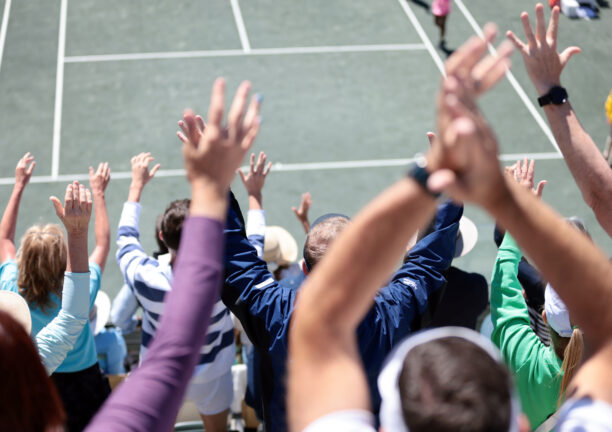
(558, 95)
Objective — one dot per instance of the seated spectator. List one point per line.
(31, 402)
(37, 272)
(150, 280)
(542, 373)
(265, 307)
(57, 338)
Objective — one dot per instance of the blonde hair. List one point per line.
(572, 357)
(41, 260)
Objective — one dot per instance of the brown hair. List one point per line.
(172, 222)
(29, 399)
(41, 261)
(451, 384)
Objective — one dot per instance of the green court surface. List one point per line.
(348, 89)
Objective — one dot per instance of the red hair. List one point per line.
(30, 401)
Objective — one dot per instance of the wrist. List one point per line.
(209, 200)
(255, 202)
(135, 192)
(77, 234)
(544, 87)
(499, 200)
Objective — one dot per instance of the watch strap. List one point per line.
(418, 172)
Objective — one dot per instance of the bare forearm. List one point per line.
(208, 200)
(102, 231)
(585, 161)
(77, 253)
(578, 270)
(135, 192)
(255, 202)
(375, 240)
(9, 219)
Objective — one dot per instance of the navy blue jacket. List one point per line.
(264, 306)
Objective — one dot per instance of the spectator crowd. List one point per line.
(342, 338)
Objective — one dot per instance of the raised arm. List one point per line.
(255, 179)
(98, 181)
(23, 172)
(150, 400)
(579, 271)
(129, 250)
(301, 212)
(58, 337)
(253, 182)
(544, 66)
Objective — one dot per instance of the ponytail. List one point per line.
(572, 357)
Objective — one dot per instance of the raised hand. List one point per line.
(99, 179)
(542, 61)
(302, 212)
(76, 211)
(141, 175)
(24, 169)
(195, 134)
(468, 77)
(213, 155)
(523, 173)
(463, 158)
(255, 179)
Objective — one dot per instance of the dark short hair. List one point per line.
(320, 237)
(30, 401)
(172, 222)
(451, 384)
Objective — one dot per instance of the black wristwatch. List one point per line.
(556, 95)
(417, 171)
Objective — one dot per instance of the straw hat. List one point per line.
(15, 305)
(279, 246)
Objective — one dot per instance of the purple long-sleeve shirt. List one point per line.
(150, 398)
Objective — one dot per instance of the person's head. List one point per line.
(566, 340)
(41, 260)
(322, 233)
(30, 400)
(172, 223)
(447, 379)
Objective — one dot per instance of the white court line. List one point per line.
(517, 87)
(235, 53)
(281, 167)
(4, 28)
(244, 38)
(417, 26)
(59, 90)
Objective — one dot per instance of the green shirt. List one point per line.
(536, 367)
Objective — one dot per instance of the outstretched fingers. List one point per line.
(553, 28)
(492, 69)
(540, 24)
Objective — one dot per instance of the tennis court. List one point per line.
(348, 92)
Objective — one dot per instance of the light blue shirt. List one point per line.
(58, 337)
(83, 355)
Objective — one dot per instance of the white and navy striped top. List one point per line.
(150, 279)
